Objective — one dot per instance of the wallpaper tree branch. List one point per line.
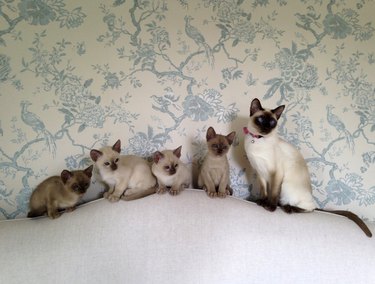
(77, 75)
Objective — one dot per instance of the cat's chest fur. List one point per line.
(216, 167)
(264, 154)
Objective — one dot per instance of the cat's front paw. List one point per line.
(113, 198)
(54, 214)
(174, 191)
(211, 193)
(222, 194)
(70, 209)
(161, 190)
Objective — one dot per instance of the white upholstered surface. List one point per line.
(188, 238)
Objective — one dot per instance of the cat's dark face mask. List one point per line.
(265, 122)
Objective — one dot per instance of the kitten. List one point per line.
(214, 173)
(59, 192)
(170, 171)
(281, 170)
(128, 176)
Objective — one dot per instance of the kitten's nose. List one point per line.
(113, 166)
(172, 170)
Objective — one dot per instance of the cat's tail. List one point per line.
(351, 216)
(139, 194)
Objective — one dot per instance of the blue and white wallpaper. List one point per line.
(77, 75)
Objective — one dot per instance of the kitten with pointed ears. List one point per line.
(128, 176)
(214, 173)
(59, 192)
(170, 171)
(281, 170)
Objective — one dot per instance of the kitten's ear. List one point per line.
(230, 137)
(65, 176)
(278, 111)
(255, 106)
(210, 133)
(88, 171)
(117, 146)
(157, 156)
(95, 154)
(177, 152)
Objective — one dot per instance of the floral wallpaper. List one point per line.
(77, 75)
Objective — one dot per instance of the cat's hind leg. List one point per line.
(137, 193)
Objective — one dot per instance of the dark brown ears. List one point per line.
(210, 133)
(158, 156)
(95, 154)
(65, 176)
(255, 106)
(177, 152)
(230, 137)
(117, 146)
(278, 111)
(88, 171)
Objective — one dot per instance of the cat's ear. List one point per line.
(177, 152)
(278, 111)
(95, 154)
(255, 106)
(88, 171)
(157, 156)
(210, 133)
(65, 176)
(230, 137)
(117, 146)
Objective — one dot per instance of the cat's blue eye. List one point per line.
(116, 161)
(176, 165)
(214, 146)
(166, 167)
(106, 164)
(75, 187)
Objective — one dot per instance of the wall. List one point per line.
(77, 75)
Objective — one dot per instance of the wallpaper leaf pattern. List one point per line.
(156, 74)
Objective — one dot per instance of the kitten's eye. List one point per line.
(176, 165)
(106, 164)
(75, 187)
(166, 167)
(214, 146)
(116, 161)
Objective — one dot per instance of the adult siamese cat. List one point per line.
(214, 173)
(170, 171)
(128, 176)
(282, 172)
(59, 192)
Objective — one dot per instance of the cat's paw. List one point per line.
(261, 202)
(270, 207)
(161, 190)
(113, 198)
(174, 191)
(211, 194)
(54, 214)
(70, 209)
(222, 194)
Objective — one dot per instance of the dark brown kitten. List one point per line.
(214, 174)
(59, 192)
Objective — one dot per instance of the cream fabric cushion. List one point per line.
(189, 238)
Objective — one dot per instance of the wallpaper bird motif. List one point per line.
(77, 75)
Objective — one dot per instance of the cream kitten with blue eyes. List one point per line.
(129, 177)
(170, 171)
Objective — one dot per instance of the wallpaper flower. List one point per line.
(77, 75)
